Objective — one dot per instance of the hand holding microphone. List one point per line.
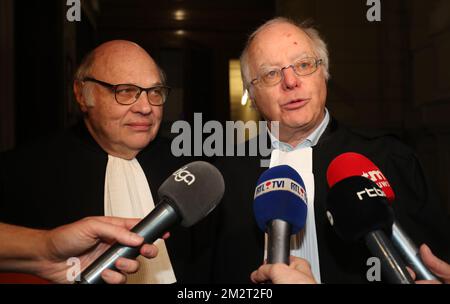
(354, 164)
(297, 272)
(184, 199)
(358, 209)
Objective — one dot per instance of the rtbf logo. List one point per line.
(184, 175)
(374, 192)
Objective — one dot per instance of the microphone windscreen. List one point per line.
(193, 191)
(280, 194)
(357, 206)
(355, 164)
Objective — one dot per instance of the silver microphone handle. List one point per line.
(410, 253)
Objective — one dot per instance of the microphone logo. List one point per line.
(280, 184)
(377, 177)
(330, 218)
(374, 192)
(183, 175)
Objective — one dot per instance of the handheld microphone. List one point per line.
(358, 209)
(355, 164)
(280, 209)
(186, 197)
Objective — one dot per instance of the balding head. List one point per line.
(113, 52)
(319, 45)
(280, 49)
(111, 59)
(121, 130)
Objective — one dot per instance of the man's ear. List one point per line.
(253, 103)
(79, 96)
(251, 97)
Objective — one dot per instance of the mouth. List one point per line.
(140, 126)
(295, 104)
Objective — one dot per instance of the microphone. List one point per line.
(355, 164)
(358, 209)
(186, 197)
(280, 209)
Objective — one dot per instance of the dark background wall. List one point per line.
(392, 75)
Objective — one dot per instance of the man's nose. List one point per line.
(142, 105)
(290, 79)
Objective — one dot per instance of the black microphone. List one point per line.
(355, 164)
(186, 197)
(358, 209)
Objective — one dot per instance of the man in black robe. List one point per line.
(285, 70)
(111, 163)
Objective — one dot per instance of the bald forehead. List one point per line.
(280, 30)
(285, 32)
(124, 62)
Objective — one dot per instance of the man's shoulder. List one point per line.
(36, 147)
(159, 142)
(158, 153)
(374, 140)
(159, 147)
(51, 145)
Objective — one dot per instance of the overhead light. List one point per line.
(180, 32)
(179, 15)
(244, 98)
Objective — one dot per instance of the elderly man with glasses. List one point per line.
(111, 163)
(284, 68)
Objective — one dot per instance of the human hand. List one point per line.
(87, 239)
(297, 272)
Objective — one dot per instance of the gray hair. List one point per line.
(319, 45)
(83, 70)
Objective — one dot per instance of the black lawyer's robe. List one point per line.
(60, 179)
(240, 244)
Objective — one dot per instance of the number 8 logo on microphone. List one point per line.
(184, 175)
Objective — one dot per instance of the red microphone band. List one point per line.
(354, 164)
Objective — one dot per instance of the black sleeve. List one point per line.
(5, 178)
(418, 208)
(2, 184)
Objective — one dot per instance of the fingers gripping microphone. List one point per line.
(186, 197)
(280, 209)
(358, 209)
(354, 164)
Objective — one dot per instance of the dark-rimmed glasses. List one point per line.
(127, 94)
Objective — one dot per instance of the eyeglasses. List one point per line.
(302, 67)
(127, 94)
